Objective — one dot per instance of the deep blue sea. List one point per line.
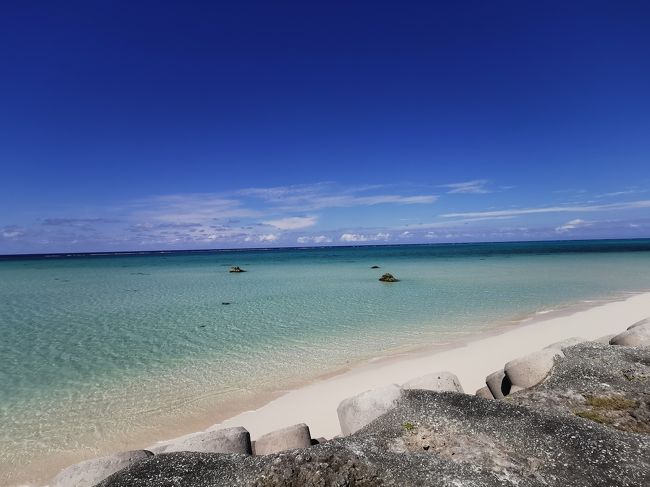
(109, 351)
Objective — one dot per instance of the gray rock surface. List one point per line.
(534, 438)
(90, 472)
(451, 440)
(498, 384)
(296, 436)
(607, 385)
(357, 411)
(637, 336)
(530, 370)
(228, 440)
(438, 381)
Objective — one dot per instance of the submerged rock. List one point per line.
(236, 268)
(375, 267)
(388, 277)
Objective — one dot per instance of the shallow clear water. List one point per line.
(98, 350)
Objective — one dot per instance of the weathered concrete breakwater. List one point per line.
(574, 414)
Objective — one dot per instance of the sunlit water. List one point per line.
(98, 351)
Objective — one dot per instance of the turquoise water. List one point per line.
(98, 351)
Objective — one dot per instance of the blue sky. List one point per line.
(156, 125)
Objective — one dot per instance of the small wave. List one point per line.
(545, 311)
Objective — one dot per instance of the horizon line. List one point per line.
(297, 247)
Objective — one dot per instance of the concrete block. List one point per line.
(91, 472)
(485, 393)
(605, 339)
(498, 384)
(639, 336)
(532, 369)
(358, 411)
(439, 381)
(569, 342)
(643, 322)
(228, 440)
(292, 437)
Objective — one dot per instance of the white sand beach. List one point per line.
(316, 403)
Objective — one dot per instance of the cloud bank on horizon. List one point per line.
(329, 214)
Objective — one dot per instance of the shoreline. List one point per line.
(315, 402)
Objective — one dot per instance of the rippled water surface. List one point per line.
(98, 350)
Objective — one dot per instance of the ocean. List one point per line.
(111, 351)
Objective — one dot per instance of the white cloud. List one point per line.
(12, 232)
(477, 186)
(345, 201)
(551, 209)
(326, 195)
(357, 237)
(293, 222)
(572, 225)
(269, 237)
(630, 190)
(449, 223)
(189, 208)
(319, 239)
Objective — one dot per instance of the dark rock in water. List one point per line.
(236, 268)
(388, 277)
(375, 267)
(532, 438)
(225, 302)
